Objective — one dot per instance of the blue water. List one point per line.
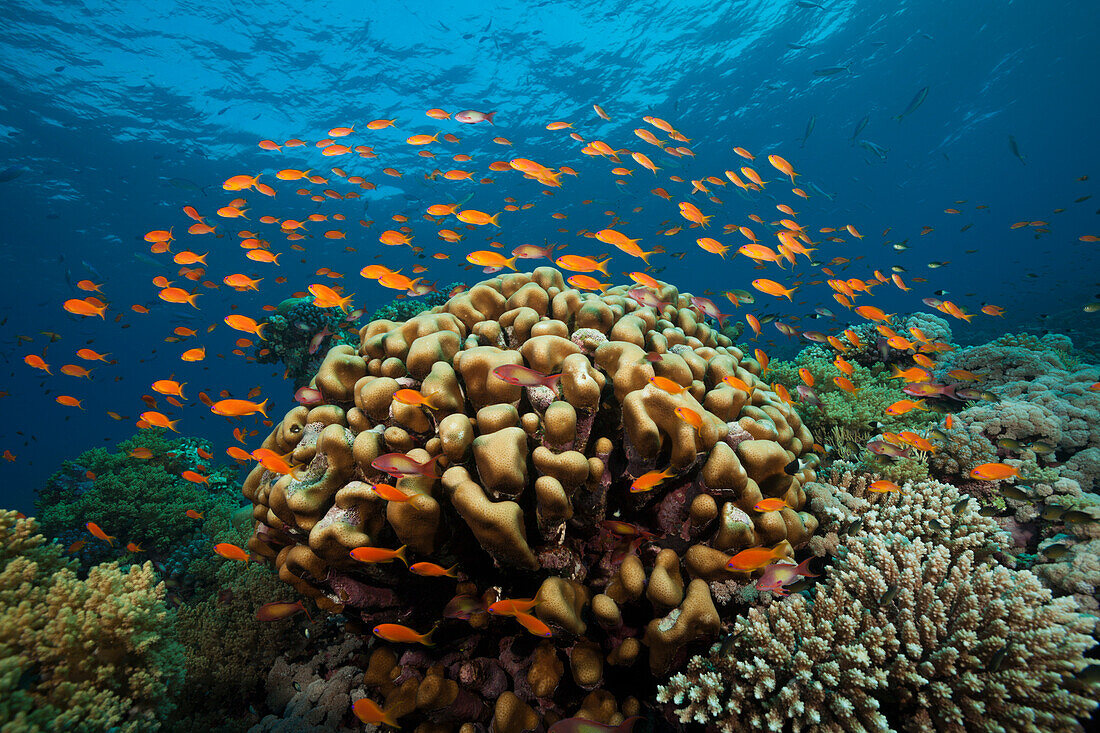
(114, 115)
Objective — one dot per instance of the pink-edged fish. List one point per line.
(318, 339)
(522, 376)
(277, 610)
(928, 389)
(472, 117)
(707, 306)
(647, 298)
(399, 465)
(778, 575)
(583, 725)
(533, 251)
(308, 396)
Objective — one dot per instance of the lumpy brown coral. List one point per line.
(528, 491)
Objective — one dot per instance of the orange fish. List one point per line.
(85, 307)
(378, 554)
(402, 634)
(100, 534)
(650, 480)
(771, 287)
(194, 514)
(68, 401)
(326, 297)
(413, 398)
(133, 547)
(368, 711)
(238, 408)
(245, 324)
(667, 385)
(431, 570)
(994, 472)
(690, 416)
(770, 505)
(159, 420)
(754, 558)
(231, 552)
(195, 478)
(883, 486)
(533, 624)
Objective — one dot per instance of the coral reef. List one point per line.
(904, 634)
(405, 308)
(298, 334)
(526, 489)
(114, 489)
(92, 654)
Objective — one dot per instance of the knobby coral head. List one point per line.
(521, 480)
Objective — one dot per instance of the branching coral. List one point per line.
(95, 654)
(902, 635)
(532, 495)
(115, 490)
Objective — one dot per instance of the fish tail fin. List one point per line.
(551, 380)
(172, 425)
(489, 117)
(511, 263)
(493, 220)
(788, 292)
(803, 569)
(645, 255)
(400, 554)
(191, 300)
(426, 639)
(262, 406)
(602, 266)
(451, 571)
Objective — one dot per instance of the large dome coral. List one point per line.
(528, 492)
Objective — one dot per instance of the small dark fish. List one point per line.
(1014, 492)
(889, 595)
(791, 468)
(831, 71)
(1090, 675)
(297, 685)
(1077, 517)
(937, 434)
(1055, 551)
(874, 148)
(997, 659)
(1009, 444)
(1041, 448)
(11, 173)
(936, 525)
(937, 265)
(1015, 148)
(854, 526)
(796, 46)
(960, 505)
(941, 292)
(1053, 512)
(809, 129)
(859, 128)
(917, 101)
(988, 396)
(989, 511)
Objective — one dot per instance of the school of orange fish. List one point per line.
(453, 222)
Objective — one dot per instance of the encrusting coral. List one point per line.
(527, 488)
(92, 654)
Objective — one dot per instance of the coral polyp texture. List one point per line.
(527, 489)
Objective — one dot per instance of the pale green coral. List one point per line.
(80, 655)
(855, 413)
